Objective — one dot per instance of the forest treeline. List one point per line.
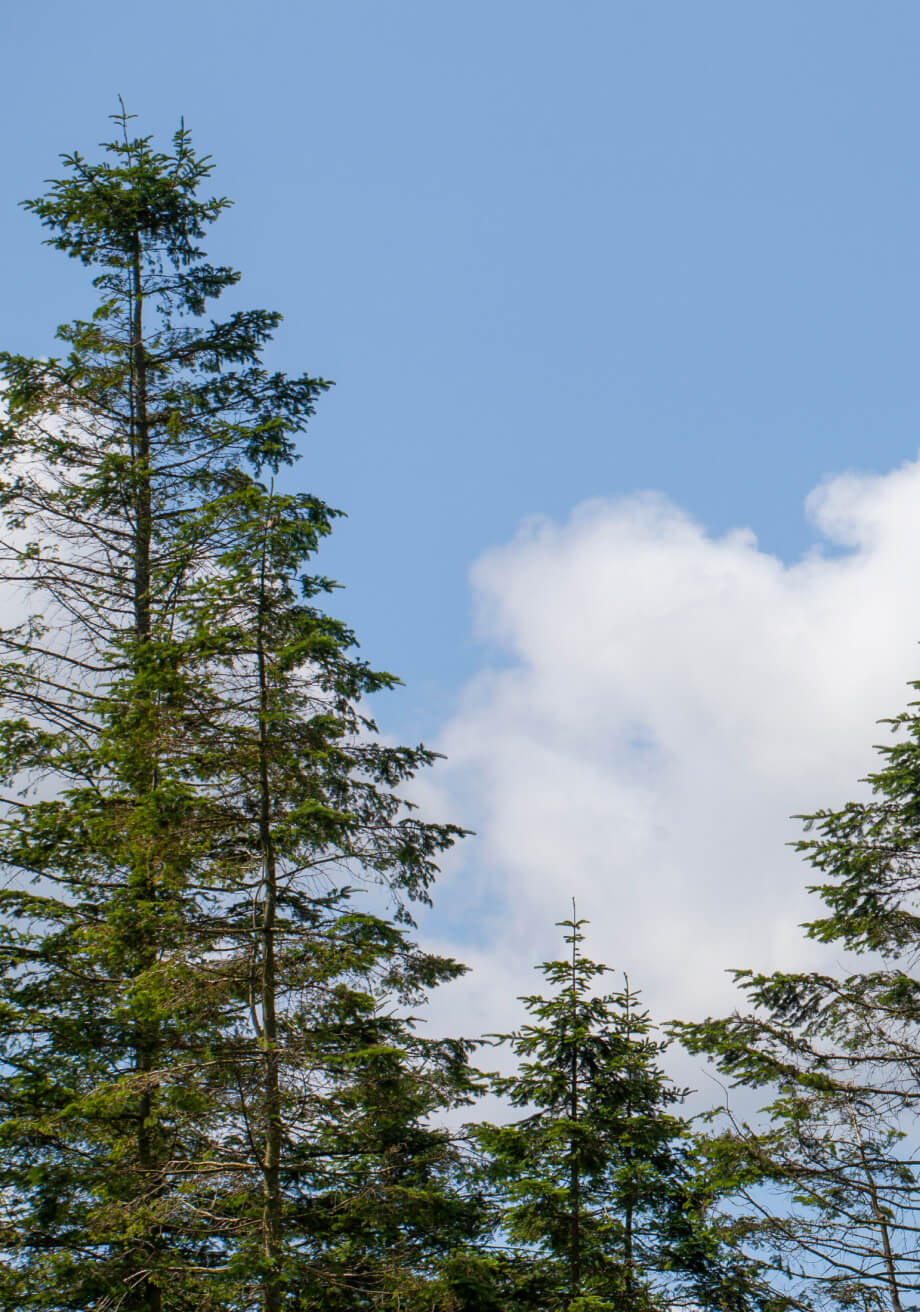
(214, 1095)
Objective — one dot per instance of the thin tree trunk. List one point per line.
(575, 1177)
(891, 1271)
(271, 1163)
(140, 437)
(149, 1298)
(628, 1254)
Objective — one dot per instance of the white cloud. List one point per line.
(664, 702)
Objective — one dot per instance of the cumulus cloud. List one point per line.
(660, 704)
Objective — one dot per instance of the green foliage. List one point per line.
(189, 1004)
(372, 1190)
(605, 1195)
(839, 1055)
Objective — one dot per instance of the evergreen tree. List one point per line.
(318, 1057)
(374, 1202)
(840, 1056)
(187, 776)
(605, 1194)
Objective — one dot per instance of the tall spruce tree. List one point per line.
(838, 1057)
(604, 1192)
(188, 776)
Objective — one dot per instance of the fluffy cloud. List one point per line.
(660, 704)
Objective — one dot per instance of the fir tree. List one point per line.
(604, 1192)
(839, 1058)
(187, 771)
(300, 794)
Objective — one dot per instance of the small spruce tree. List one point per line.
(603, 1192)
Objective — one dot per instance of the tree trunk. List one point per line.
(271, 1162)
(575, 1176)
(629, 1260)
(891, 1272)
(147, 1295)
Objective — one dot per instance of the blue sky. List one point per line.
(549, 253)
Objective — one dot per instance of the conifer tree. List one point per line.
(187, 776)
(328, 1089)
(605, 1194)
(838, 1058)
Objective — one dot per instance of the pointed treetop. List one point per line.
(139, 199)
